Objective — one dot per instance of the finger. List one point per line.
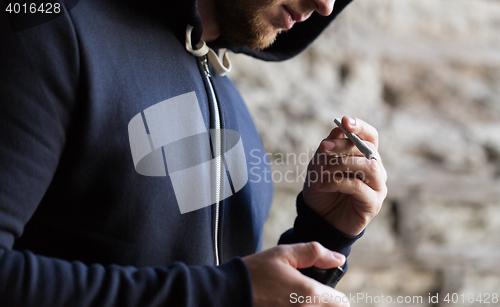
(328, 143)
(363, 130)
(305, 255)
(343, 152)
(335, 297)
(336, 147)
(339, 149)
(336, 133)
(371, 172)
(361, 192)
(325, 296)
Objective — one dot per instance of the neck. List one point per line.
(206, 8)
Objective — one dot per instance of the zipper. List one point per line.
(218, 154)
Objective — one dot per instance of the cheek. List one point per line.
(272, 18)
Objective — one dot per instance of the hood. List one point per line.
(294, 41)
(180, 13)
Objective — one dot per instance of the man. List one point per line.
(124, 156)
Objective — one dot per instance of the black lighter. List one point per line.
(332, 276)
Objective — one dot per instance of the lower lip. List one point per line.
(287, 18)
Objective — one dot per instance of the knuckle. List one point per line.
(384, 192)
(347, 144)
(317, 186)
(337, 183)
(320, 169)
(358, 185)
(316, 248)
(373, 167)
(309, 290)
(281, 249)
(370, 130)
(385, 175)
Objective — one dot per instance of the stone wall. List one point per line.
(426, 74)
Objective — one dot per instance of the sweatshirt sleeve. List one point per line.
(39, 77)
(309, 226)
(30, 280)
(39, 70)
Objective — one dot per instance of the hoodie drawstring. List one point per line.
(221, 63)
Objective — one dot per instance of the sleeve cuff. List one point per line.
(309, 226)
(238, 284)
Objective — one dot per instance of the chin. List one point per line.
(265, 38)
(254, 41)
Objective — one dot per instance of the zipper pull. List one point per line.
(205, 65)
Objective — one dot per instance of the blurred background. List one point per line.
(426, 74)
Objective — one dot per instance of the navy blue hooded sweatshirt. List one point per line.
(107, 152)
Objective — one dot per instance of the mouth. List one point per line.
(290, 17)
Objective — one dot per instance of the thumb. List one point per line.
(363, 130)
(305, 255)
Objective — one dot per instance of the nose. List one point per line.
(324, 7)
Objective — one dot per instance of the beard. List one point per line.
(241, 23)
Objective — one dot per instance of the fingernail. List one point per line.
(351, 121)
(338, 256)
(329, 145)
